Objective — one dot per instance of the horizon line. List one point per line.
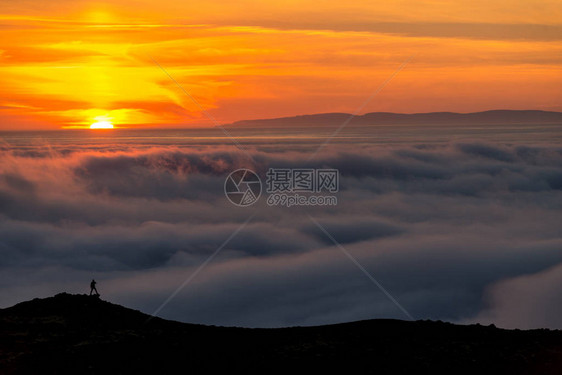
(213, 126)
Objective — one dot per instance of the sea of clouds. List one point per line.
(463, 232)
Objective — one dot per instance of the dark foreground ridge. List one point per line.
(79, 334)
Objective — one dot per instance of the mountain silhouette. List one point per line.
(80, 334)
(388, 118)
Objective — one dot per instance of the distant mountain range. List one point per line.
(79, 334)
(388, 118)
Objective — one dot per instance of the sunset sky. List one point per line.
(75, 63)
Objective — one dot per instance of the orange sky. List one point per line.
(72, 63)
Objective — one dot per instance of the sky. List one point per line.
(70, 64)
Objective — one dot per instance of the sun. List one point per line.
(103, 124)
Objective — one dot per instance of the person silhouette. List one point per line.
(93, 287)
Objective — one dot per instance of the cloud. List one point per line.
(356, 229)
(454, 231)
(527, 301)
(245, 65)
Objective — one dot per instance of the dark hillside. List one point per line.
(78, 334)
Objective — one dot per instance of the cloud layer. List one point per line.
(456, 231)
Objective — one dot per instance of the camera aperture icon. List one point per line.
(242, 187)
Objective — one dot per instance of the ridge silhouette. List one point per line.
(497, 116)
(76, 334)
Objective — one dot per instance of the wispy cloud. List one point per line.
(242, 65)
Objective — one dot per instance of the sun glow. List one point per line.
(64, 66)
(103, 124)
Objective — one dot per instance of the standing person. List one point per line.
(93, 287)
